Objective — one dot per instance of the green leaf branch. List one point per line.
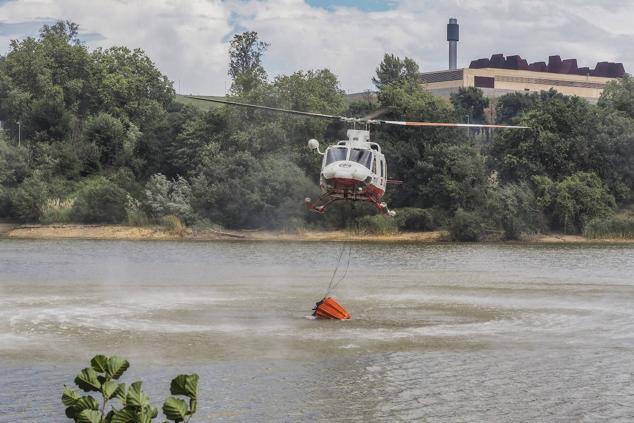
(134, 404)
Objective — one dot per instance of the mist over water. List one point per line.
(442, 332)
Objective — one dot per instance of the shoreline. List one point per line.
(158, 233)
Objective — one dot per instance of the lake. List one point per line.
(439, 332)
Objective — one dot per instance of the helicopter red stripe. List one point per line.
(451, 125)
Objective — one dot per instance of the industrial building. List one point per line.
(501, 75)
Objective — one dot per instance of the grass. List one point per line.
(200, 104)
(377, 225)
(173, 225)
(56, 210)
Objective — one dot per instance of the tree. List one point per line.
(128, 85)
(619, 95)
(561, 140)
(100, 201)
(574, 201)
(394, 70)
(245, 66)
(512, 105)
(469, 102)
(64, 30)
(242, 191)
(514, 209)
(27, 200)
(108, 134)
(164, 197)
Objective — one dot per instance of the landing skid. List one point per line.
(325, 200)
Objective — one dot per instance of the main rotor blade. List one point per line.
(376, 113)
(366, 120)
(277, 109)
(450, 125)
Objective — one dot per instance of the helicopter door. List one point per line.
(383, 172)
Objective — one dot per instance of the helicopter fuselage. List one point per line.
(355, 170)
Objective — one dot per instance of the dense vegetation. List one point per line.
(99, 136)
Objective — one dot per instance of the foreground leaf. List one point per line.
(120, 393)
(86, 403)
(185, 385)
(70, 396)
(136, 397)
(109, 389)
(116, 366)
(125, 415)
(87, 380)
(99, 363)
(89, 416)
(175, 409)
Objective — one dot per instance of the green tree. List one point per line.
(561, 140)
(245, 65)
(99, 201)
(164, 197)
(129, 86)
(514, 209)
(512, 105)
(240, 191)
(619, 95)
(108, 134)
(393, 70)
(574, 201)
(27, 200)
(470, 102)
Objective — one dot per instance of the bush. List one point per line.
(100, 201)
(575, 200)
(134, 210)
(466, 226)
(27, 200)
(377, 225)
(514, 208)
(102, 377)
(413, 219)
(5, 205)
(173, 225)
(56, 210)
(165, 197)
(611, 227)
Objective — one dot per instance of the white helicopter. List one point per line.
(354, 169)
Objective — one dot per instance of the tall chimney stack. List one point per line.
(453, 36)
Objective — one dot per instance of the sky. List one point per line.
(188, 39)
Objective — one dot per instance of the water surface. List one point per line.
(443, 332)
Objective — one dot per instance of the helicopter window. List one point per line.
(362, 156)
(336, 155)
(382, 171)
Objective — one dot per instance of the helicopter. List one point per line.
(354, 169)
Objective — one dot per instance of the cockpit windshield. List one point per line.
(361, 156)
(336, 154)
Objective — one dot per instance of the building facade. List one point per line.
(497, 77)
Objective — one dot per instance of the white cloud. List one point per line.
(189, 39)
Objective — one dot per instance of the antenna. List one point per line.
(453, 36)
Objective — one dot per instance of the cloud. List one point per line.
(188, 39)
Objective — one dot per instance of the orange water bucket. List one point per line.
(328, 308)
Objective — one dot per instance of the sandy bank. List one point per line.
(159, 233)
(117, 232)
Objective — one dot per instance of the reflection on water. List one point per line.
(439, 332)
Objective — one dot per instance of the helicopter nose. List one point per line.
(346, 170)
